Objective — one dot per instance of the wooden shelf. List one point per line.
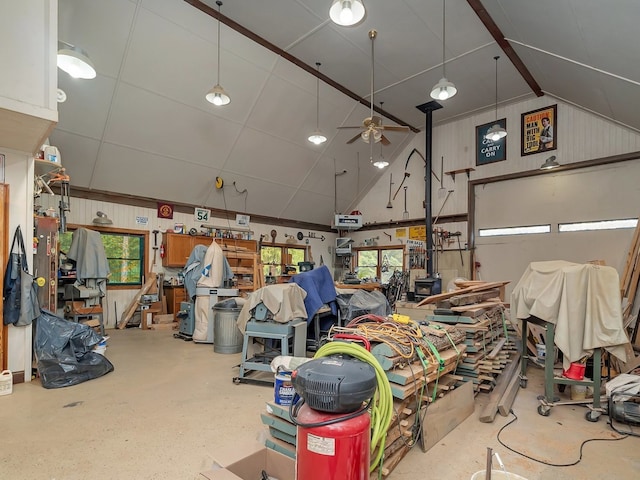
(453, 173)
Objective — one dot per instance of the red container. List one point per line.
(340, 451)
(575, 371)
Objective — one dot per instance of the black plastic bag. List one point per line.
(64, 352)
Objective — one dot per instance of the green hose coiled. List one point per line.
(382, 405)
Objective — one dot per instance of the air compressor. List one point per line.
(334, 425)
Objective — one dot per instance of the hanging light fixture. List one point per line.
(102, 219)
(496, 132)
(381, 162)
(217, 95)
(444, 89)
(549, 163)
(317, 137)
(75, 61)
(346, 12)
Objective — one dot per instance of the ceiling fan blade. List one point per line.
(353, 139)
(384, 140)
(341, 128)
(393, 128)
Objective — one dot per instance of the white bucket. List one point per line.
(496, 475)
(6, 382)
(578, 392)
(541, 351)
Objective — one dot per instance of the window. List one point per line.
(276, 258)
(494, 232)
(124, 250)
(379, 262)
(598, 225)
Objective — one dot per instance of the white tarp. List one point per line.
(582, 300)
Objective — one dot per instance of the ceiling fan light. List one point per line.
(495, 133)
(377, 136)
(346, 12)
(218, 96)
(317, 137)
(380, 163)
(75, 62)
(365, 136)
(443, 90)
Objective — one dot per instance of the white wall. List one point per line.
(581, 136)
(28, 110)
(18, 169)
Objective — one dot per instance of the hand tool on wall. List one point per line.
(406, 175)
(155, 245)
(405, 214)
(390, 187)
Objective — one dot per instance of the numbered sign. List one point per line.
(201, 214)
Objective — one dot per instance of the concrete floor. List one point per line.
(170, 409)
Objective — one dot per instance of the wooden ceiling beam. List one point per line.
(496, 33)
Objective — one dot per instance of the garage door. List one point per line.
(604, 192)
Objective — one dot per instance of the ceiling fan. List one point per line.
(372, 127)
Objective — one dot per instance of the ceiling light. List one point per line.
(102, 219)
(61, 96)
(317, 137)
(381, 162)
(75, 61)
(444, 89)
(217, 95)
(549, 163)
(496, 132)
(347, 12)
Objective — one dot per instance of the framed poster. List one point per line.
(539, 130)
(489, 151)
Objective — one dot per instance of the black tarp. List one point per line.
(64, 352)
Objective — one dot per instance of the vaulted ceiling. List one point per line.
(143, 127)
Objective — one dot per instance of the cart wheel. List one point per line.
(592, 416)
(523, 383)
(544, 411)
(562, 388)
(236, 380)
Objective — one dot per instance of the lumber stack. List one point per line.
(629, 282)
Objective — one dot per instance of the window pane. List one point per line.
(271, 260)
(125, 272)
(391, 261)
(367, 263)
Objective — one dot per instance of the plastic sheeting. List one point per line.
(362, 303)
(64, 352)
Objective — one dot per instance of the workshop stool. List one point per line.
(295, 330)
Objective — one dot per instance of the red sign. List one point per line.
(165, 210)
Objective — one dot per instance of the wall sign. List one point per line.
(201, 214)
(165, 210)
(539, 130)
(488, 151)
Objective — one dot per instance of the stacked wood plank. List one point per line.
(629, 282)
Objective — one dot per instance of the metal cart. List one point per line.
(547, 401)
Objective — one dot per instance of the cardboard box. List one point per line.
(163, 318)
(250, 467)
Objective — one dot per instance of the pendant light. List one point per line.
(317, 137)
(217, 95)
(496, 132)
(346, 12)
(75, 61)
(444, 89)
(380, 162)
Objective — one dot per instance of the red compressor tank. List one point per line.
(337, 451)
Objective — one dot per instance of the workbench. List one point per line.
(550, 380)
(579, 306)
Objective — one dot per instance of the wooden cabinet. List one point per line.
(174, 296)
(242, 256)
(177, 249)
